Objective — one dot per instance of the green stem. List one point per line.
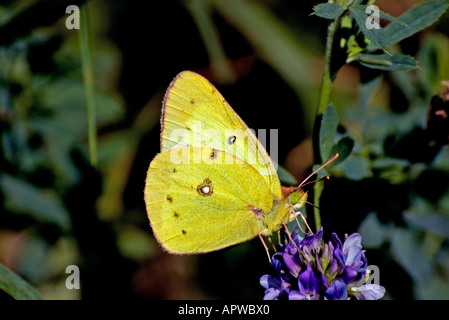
(200, 11)
(88, 81)
(324, 100)
(326, 84)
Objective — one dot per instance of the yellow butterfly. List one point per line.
(213, 185)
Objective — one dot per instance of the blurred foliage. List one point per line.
(266, 59)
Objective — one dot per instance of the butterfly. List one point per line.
(213, 185)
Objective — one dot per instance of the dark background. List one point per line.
(58, 210)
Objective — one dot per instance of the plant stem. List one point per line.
(324, 100)
(200, 11)
(326, 84)
(88, 81)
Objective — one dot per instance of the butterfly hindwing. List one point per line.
(206, 206)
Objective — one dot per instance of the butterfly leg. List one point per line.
(305, 221)
(264, 245)
(295, 215)
(290, 236)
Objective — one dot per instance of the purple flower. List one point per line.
(336, 291)
(308, 286)
(368, 292)
(351, 258)
(310, 269)
(275, 286)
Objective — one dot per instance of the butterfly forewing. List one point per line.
(196, 114)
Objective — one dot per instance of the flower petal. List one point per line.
(354, 240)
(291, 260)
(339, 256)
(295, 295)
(336, 291)
(272, 294)
(268, 281)
(368, 292)
(353, 256)
(296, 237)
(313, 242)
(336, 240)
(308, 283)
(348, 275)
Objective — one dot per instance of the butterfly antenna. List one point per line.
(311, 204)
(317, 180)
(314, 172)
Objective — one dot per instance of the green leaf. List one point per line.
(322, 173)
(417, 18)
(357, 168)
(395, 62)
(135, 244)
(372, 231)
(16, 287)
(441, 160)
(344, 148)
(41, 205)
(384, 163)
(433, 58)
(328, 128)
(389, 17)
(286, 176)
(376, 35)
(407, 253)
(329, 11)
(367, 90)
(431, 221)
(67, 126)
(437, 288)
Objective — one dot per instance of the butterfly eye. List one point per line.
(294, 198)
(297, 198)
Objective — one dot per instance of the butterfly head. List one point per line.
(297, 198)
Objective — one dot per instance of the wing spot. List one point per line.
(175, 214)
(231, 140)
(205, 189)
(192, 101)
(213, 154)
(184, 232)
(174, 170)
(169, 198)
(257, 211)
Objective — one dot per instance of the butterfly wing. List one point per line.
(207, 206)
(196, 114)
